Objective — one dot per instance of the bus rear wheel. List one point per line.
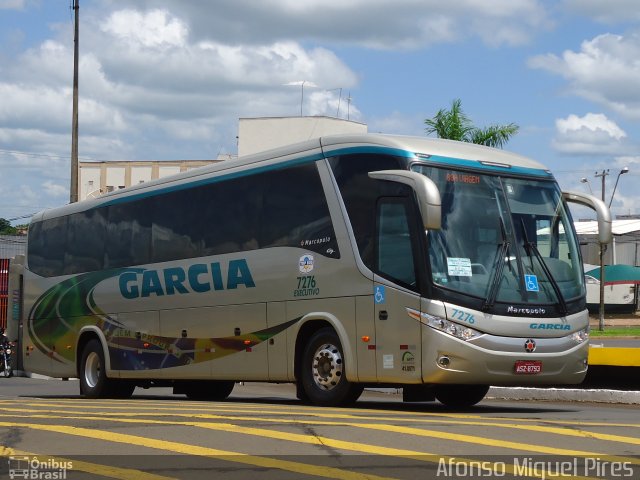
(323, 371)
(93, 376)
(460, 396)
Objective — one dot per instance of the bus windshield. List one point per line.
(506, 240)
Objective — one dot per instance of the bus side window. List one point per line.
(395, 255)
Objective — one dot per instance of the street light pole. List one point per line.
(586, 180)
(602, 250)
(622, 172)
(73, 195)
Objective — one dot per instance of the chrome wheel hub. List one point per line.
(92, 370)
(327, 366)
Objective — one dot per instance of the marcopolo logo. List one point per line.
(199, 278)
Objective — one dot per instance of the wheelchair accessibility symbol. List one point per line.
(531, 282)
(378, 295)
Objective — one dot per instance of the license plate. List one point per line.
(528, 367)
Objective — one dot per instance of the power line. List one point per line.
(39, 155)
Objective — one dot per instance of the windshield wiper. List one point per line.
(498, 268)
(531, 247)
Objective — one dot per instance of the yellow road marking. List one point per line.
(93, 468)
(545, 429)
(535, 472)
(538, 428)
(365, 448)
(188, 449)
(331, 413)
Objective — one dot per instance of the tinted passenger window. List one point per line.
(177, 225)
(285, 207)
(360, 194)
(129, 234)
(232, 214)
(296, 212)
(85, 241)
(47, 246)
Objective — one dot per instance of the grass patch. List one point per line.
(615, 332)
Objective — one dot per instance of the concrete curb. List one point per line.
(564, 395)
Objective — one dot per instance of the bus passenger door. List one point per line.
(398, 333)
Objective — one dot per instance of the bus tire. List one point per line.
(323, 371)
(212, 390)
(121, 388)
(460, 396)
(93, 376)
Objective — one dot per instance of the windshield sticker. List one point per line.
(459, 267)
(532, 283)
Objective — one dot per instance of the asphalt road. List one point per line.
(262, 431)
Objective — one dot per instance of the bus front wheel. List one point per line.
(323, 371)
(460, 396)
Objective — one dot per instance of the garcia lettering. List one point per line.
(549, 326)
(199, 278)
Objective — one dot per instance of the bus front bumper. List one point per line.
(503, 361)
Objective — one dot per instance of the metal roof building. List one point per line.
(625, 248)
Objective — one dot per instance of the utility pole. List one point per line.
(603, 248)
(73, 197)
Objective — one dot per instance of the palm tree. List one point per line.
(453, 124)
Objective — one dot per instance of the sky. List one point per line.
(169, 79)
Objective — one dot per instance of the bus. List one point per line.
(340, 263)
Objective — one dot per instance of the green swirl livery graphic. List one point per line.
(59, 315)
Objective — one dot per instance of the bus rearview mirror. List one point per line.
(426, 191)
(602, 212)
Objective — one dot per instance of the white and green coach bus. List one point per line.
(336, 264)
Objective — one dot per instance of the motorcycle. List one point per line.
(6, 349)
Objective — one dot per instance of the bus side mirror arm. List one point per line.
(602, 211)
(426, 191)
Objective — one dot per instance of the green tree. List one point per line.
(453, 124)
(6, 228)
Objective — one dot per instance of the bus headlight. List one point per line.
(450, 328)
(461, 332)
(580, 336)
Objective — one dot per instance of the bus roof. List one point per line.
(422, 147)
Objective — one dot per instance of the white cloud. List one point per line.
(592, 134)
(55, 190)
(605, 70)
(592, 122)
(379, 24)
(153, 29)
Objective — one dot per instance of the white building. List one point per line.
(624, 249)
(97, 178)
(260, 134)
